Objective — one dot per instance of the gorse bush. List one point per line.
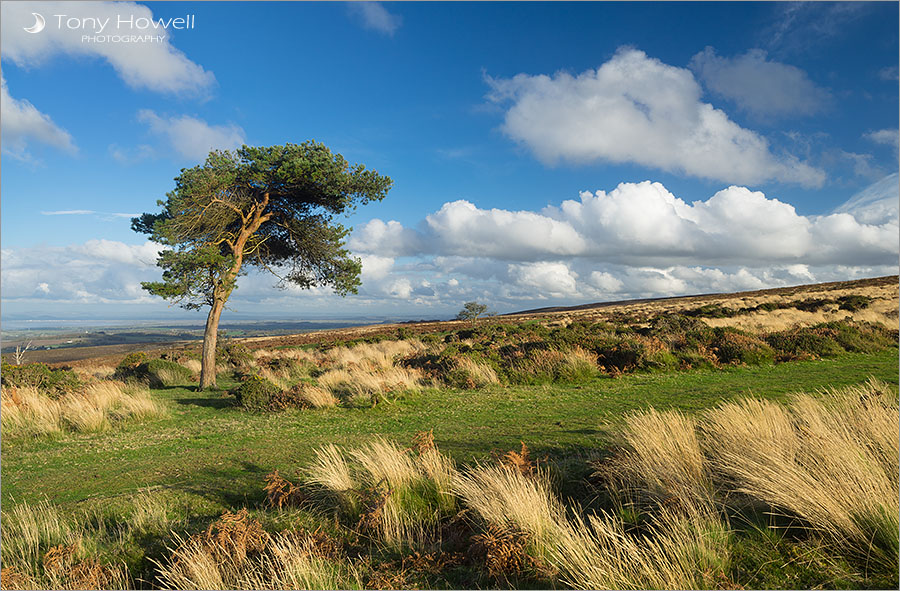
(854, 302)
(256, 393)
(735, 346)
(51, 382)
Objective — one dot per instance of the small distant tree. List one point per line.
(471, 311)
(268, 207)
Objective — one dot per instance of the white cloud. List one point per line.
(374, 16)
(636, 240)
(94, 272)
(499, 233)
(887, 137)
(636, 109)
(159, 67)
(193, 138)
(131, 155)
(760, 86)
(546, 279)
(877, 204)
(23, 123)
(640, 224)
(105, 216)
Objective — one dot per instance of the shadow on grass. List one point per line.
(233, 486)
(218, 403)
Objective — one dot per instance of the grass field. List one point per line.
(215, 454)
(608, 456)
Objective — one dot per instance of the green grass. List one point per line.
(213, 456)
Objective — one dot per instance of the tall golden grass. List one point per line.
(26, 411)
(475, 373)
(372, 355)
(193, 365)
(398, 493)
(678, 552)
(664, 461)
(364, 383)
(831, 461)
(594, 552)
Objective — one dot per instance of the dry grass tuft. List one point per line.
(680, 552)
(508, 499)
(193, 365)
(43, 550)
(331, 471)
(316, 397)
(150, 513)
(26, 411)
(472, 374)
(386, 463)
(381, 355)
(369, 383)
(831, 461)
(664, 460)
(288, 560)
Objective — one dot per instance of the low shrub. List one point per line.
(734, 346)
(51, 382)
(132, 360)
(860, 337)
(854, 302)
(257, 394)
(804, 342)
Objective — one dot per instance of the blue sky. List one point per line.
(542, 153)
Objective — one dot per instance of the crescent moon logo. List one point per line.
(38, 26)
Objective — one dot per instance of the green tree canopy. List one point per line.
(268, 207)
(471, 311)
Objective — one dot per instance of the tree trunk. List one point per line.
(208, 361)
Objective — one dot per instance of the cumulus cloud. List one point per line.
(634, 241)
(640, 224)
(374, 16)
(24, 123)
(159, 67)
(636, 109)
(758, 85)
(190, 137)
(103, 271)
